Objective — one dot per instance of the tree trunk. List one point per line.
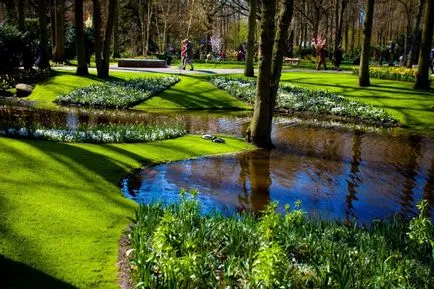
(423, 76)
(21, 15)
(79, 39)
(249, 69)
(270, 69)
(364, 58)
(43, 45)
(116, 52)
(59, 32)
(260, 127)
(103, 38)
(416, 35)
(148, 27)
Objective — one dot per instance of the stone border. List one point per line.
(151, 63)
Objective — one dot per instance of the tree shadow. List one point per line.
(16, 275)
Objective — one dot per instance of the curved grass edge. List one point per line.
(79, 185)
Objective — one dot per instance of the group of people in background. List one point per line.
(186, 54)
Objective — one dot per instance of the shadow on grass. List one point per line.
(15, 275)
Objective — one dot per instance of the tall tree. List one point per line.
(21, 15)
(116, 49)
(367, 32)
(270, 69)
(59, 31)
(249, 69)
(43, 35)
(102, 36)
(79, 39)
(340, 7)
(416, 35)
(423, 75)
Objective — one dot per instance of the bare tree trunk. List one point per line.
(364, 58)
(43, 45)
(270, 69)
(79, 39)
(249, 69)
(21, 15)
(103, 38)
(116, 52)
(423, 76)
(260, 127)
(416, 35)
(59, 31)
(148, 27)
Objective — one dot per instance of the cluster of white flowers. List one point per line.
(121, 94)
(303, 99)
(102, 134)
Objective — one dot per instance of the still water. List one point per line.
(336, 171)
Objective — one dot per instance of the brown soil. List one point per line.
(124, 277)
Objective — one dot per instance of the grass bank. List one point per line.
(411, 107)
(61, 210)
(192, 92)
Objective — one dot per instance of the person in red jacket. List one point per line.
(187, 54)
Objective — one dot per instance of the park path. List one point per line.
(209, 71)
(176, 70)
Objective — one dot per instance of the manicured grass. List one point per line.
(411, 107)
(61, 209)
(192, 92)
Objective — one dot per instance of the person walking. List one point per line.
(322, 53)
(187, 54)
(338, 58)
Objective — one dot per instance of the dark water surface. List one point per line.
(338, 174)
(337, 171)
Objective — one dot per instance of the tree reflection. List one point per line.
(352, 184)
(255, 175)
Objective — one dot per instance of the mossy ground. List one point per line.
(61, 209)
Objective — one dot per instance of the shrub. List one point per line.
(391, 73)
(11, 43)
(177, 247)
(307, 100)
(112, 133)
(9, 80)
(121, 94)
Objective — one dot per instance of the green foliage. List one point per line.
(294, 98)
(391, 73)
(120, 94)
(111, 133)
(9, 80)
(11, 43)
(177, 247)
(421, 228)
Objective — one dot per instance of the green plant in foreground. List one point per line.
(421, 228)
(177, 247)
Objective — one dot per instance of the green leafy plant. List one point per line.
(120, 94)
(298, 99)
(176, 246)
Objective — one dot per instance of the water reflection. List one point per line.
(338, 174)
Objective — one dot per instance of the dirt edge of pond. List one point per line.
(124, 277)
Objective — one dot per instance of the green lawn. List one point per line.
(61, 209)
(192, 92)
(411, 107)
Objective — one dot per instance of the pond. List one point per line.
(337, 171)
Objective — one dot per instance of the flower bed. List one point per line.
(391, 73)
(120, 94)
(307, 100)
(177, 247)
(112, 133)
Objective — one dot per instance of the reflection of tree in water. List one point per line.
(428, 190)
(410, 174)
(255, 169)
(352, 184)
